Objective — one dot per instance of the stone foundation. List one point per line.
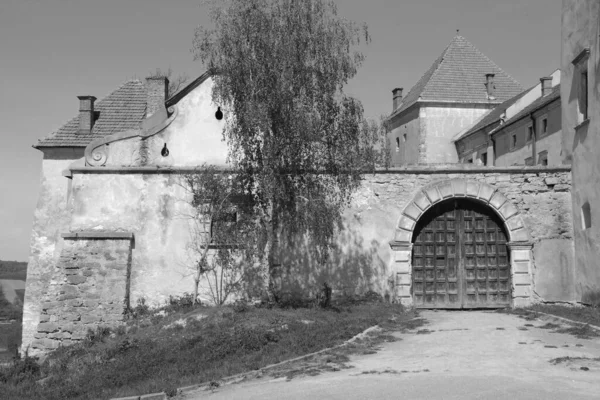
(88, 289)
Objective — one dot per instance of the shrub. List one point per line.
(21, 370)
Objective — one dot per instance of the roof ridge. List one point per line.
(437, 68)
(492, 62)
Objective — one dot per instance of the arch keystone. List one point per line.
(422, 201)
(507, 210)
(459, 187)
(486, 192)
(445, 189)
(497, 200)
(433, 194)
(412, 211)
(472, 189)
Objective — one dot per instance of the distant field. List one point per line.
(16, 270)
(11, 289)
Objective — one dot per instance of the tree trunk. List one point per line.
(272, 261)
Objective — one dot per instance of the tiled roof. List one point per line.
(458, 75)
(537, 104)
(493, 116)
(121, 110)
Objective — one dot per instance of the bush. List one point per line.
(20, 371)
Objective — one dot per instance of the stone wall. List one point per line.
(150, 204)
(89, 288)
(51, 218)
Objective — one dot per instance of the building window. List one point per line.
(543, 158)
(586, 217)
(397, 144)
(484, 158)
(404, 138)
(583, 96)
(513, 141)
(529, 161)
(529, 133)
(544, 126)
(581, 73)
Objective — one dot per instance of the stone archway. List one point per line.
(519, 243)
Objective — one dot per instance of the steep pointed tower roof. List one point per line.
(459, 75)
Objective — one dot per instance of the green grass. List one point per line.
(13, 270)
(226, 341)
(587, 315)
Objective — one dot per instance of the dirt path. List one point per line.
(457, 355)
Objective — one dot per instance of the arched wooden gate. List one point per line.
(460, 257)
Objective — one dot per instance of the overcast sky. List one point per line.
(54, 50)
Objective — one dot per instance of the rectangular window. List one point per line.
(586, 216)
(581, 74)
(484, 158)
(543, 158)
(513, 141)
(529, 133)
(397, 144)
(583, 96)
(544, 126)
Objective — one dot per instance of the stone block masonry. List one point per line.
(88, 289)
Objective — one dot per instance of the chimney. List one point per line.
(86, 114)
(157, 92)
(397, 97)
(489, 85)
(546, 82)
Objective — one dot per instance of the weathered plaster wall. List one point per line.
(51, 218)
(405, 152)
(193, 138)
(439, 125)
(550, 142)
(155, 208)
(88, 288)
(580, 30)
(473, 146)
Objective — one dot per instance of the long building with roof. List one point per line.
(460, 87)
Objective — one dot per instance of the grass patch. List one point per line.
(587, 315)
(560, 360)
(581, 332)
(549, 325)
(201, 345)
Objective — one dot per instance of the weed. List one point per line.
(581, 332)
(560, 360)
(549, 325)
(424, 332)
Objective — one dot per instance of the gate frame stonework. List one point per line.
(519, 243)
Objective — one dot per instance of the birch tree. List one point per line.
(295, 138)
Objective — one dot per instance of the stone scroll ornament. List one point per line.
(96, 153)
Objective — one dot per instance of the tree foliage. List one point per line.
(296, 139)
(222, 233)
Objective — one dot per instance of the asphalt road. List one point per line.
(466, 355)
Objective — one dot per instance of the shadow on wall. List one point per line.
(353, 267)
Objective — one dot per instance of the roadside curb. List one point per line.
(253, 374)
(556, 318)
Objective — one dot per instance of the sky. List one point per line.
(52, 51)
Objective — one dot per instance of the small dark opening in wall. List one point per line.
(164, 152)
(397, 143)
(586, 217)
